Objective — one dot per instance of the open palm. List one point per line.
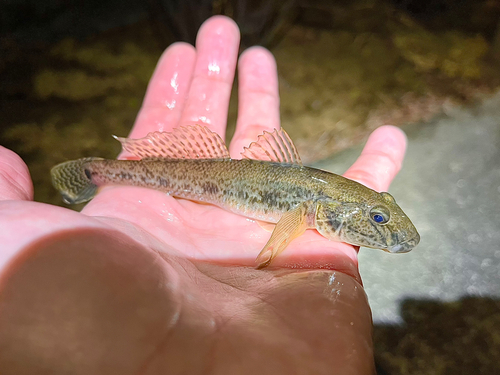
(178, 262)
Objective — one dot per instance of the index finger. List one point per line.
(381, 158)
(167, 90)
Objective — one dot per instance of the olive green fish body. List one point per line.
(278, 190)
(253, 188)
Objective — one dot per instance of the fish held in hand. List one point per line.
(269, 184)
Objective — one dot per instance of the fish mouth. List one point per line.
(405, 246)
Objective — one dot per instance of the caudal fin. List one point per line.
(74, 180)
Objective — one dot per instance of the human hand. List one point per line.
(131, 283)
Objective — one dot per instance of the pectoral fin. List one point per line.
(291, 225)
(268, 227)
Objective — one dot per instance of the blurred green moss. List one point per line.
(50, 143)
(100, 71)
(375, 67)
(452, 53)
(333, 80)
(84, 92)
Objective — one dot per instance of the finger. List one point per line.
(15, 180)
(381, 158)
(258, 108)
(167, 91)
(217, 50)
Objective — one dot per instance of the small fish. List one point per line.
(269, 184)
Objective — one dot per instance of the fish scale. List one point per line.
(256, 189)
(268, 184)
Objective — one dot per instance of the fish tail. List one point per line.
(74, 180)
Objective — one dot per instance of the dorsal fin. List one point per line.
(185, 142)
(276, 146)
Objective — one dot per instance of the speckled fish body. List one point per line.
(278, 190)
(253, 188)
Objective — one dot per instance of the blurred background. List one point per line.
(74, 72)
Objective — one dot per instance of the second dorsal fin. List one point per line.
(276, 146)
(185, 142)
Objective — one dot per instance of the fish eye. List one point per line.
(380, 215)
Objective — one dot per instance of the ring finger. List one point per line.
(258, 108)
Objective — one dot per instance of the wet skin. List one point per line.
(141, 282)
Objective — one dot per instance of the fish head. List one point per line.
(378, 223)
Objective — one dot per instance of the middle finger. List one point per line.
(217, 46)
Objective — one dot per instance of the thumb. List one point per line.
(15, 180)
